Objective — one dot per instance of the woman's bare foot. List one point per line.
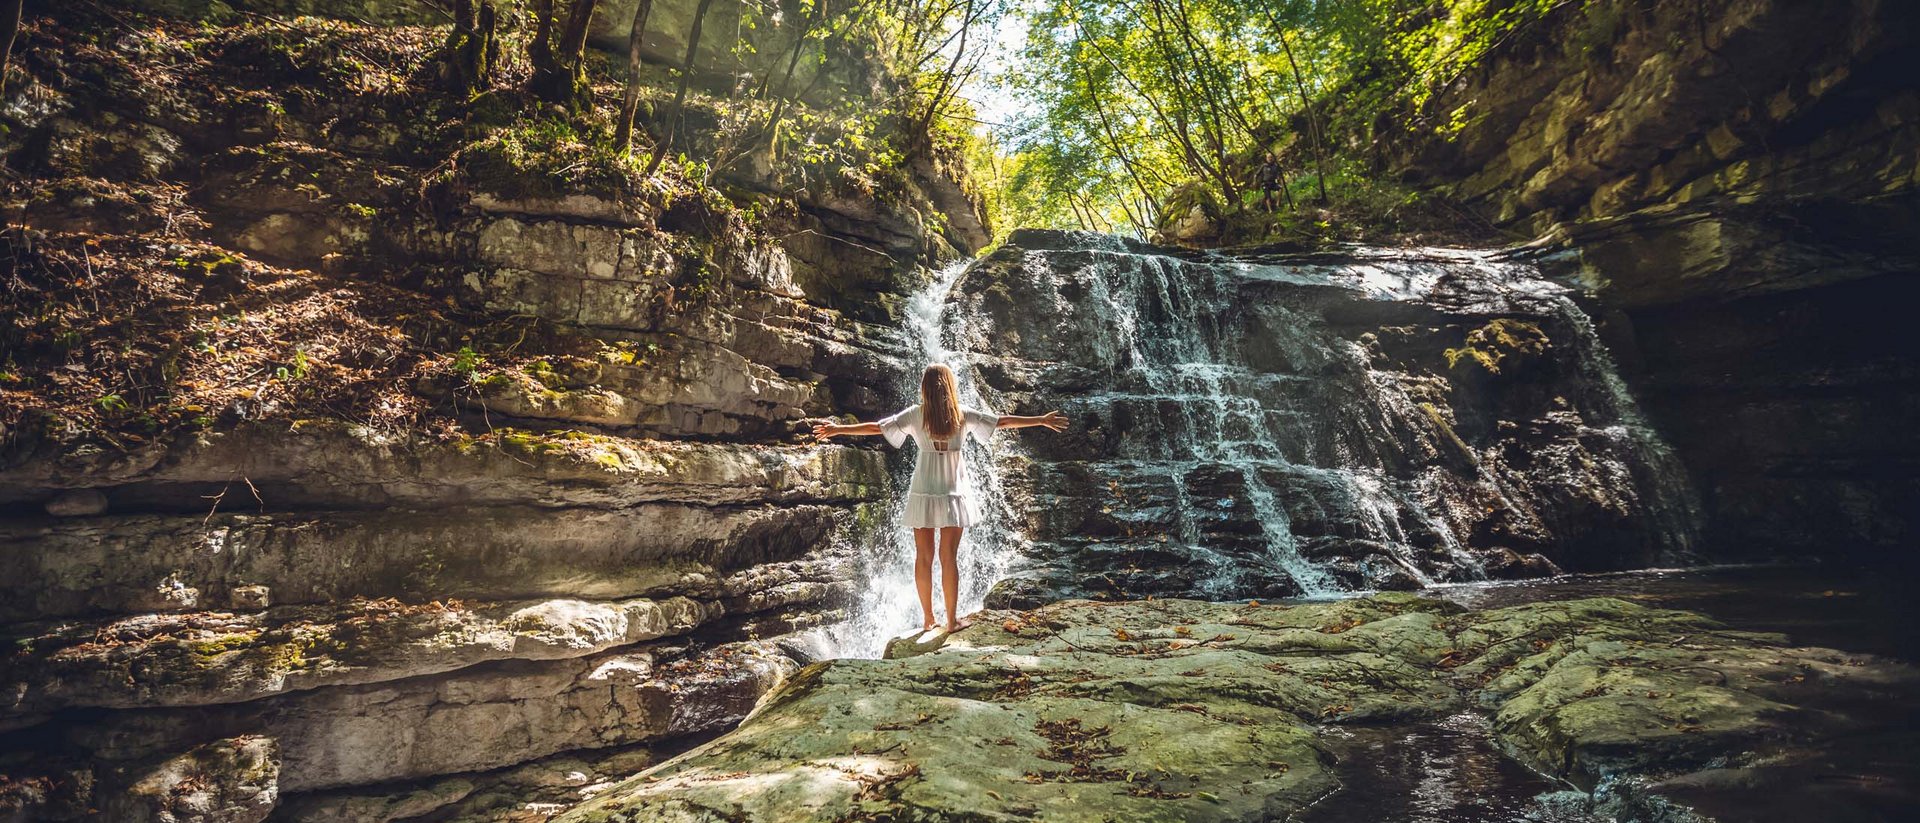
(928, 624)
(956, 625)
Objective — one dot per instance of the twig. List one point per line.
(216, 498)
(256, 493)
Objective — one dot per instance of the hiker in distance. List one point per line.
(940, 499)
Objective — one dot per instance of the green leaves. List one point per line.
(1133, 99)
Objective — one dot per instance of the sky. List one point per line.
(993, 102)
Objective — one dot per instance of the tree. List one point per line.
(9, 27)
(472, 49)
(672, 120)
(1167, 94)
(558, 54)
(630, 104)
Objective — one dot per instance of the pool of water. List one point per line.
(1850, 609)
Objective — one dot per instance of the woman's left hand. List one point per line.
(1054, 420)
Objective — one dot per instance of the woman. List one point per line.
(939, 499)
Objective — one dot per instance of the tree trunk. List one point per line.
(630, 104)
(559, 70)
(9, 29)
(573, 42)
(472, 49)
(1313, 124)
(680, 94)
(540, 49)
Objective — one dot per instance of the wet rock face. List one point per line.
(1181, 710)
(1737, 180)
(1262, 426)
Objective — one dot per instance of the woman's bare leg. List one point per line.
(923, 575)
(950, 576)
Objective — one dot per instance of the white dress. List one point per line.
(940, 494)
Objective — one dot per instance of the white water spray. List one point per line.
(887, 605)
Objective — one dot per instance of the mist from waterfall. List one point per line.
(886, 605)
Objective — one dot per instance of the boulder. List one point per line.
(226, 781)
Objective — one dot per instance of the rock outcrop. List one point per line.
(1266, 424)
(1737, 181)
(1181, 710)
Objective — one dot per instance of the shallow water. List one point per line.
(1442, 772)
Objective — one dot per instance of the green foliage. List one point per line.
(1135, 99)
(296, 369)
(465, 361)
(551, 156)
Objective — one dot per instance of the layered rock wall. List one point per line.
(1737, 180)
(593, 535)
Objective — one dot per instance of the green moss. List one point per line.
(205, 653)
(1500, 344)
(1447, 434)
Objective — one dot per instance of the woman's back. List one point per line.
(940, 468)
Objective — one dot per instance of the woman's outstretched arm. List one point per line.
(1052, 420)
(826, 430)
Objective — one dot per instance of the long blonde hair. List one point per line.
(939, 401)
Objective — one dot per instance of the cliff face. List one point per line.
(357, 437)
(1737, 182)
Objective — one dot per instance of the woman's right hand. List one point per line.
(1054, 420)
(825, 430)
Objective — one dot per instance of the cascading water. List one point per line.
(1269, 426)
(1667, 479)
(887, 605)
(1274, 426)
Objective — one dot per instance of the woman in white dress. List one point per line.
(940, 498)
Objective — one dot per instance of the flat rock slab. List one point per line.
(206, 658)
(1186, 710)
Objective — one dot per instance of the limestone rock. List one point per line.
(77, 503)
(251, 597)
(207, 658)
(488, 718)
(335, 464)
(227, 781)
(1183, 710)
(145, 563)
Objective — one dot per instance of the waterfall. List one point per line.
(1289, 420)
(886, 605)
(1682, 515)
(1282, 426)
